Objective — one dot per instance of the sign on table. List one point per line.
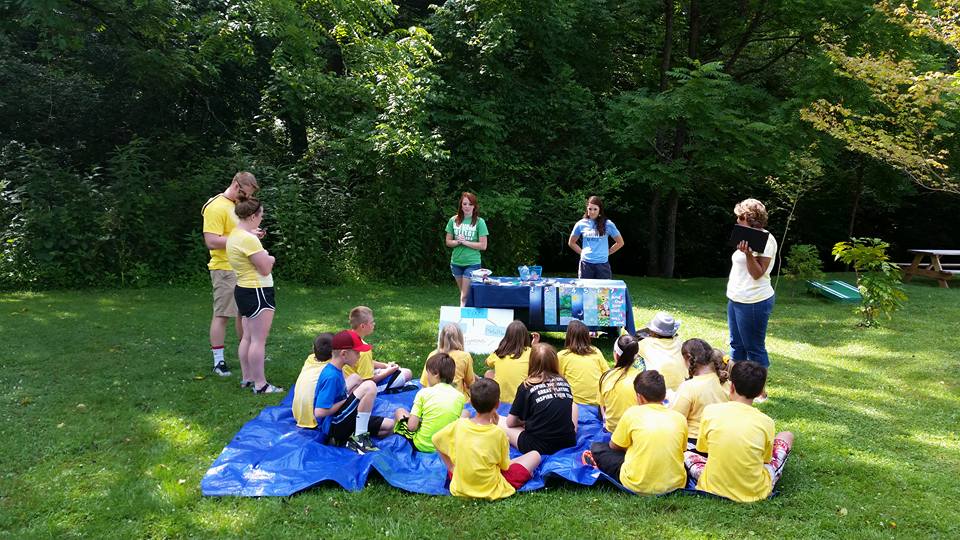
(482, 328)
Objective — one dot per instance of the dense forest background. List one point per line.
(364, 120)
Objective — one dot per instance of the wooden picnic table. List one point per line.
(934, 268)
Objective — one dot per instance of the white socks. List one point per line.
(217, 355)
(363, 423)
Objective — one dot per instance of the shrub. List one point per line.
(803, 262)
(877, 278)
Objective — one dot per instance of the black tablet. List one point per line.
(755, 237)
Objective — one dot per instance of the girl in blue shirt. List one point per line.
(595, 230)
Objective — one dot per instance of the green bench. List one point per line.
(837, 291)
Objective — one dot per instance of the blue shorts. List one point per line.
(460, 271)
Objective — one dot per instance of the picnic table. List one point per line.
(933, 267)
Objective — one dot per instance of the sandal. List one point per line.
(268, 389)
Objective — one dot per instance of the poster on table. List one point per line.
(595, 306)
(482, 328)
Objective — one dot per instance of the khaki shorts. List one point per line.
(224, 281)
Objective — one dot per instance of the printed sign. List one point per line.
(482, 328)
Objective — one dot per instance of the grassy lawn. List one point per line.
(110, 417)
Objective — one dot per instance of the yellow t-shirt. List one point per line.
(739, 439)
(364, 367)
(240, 246)
(663, 355)
(304, 392)
(655, 438)
(436, 407)
(694, 395)
(479, 453)
(616, 396)
(583, 373)
(509, 373)
(219, 218)
(464, 376)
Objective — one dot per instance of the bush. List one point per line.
(877, 278)
(803, 263)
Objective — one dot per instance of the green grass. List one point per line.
(110, 417)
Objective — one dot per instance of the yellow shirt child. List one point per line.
(479, 453)
(694, 395)
(739, 439)
(465, 375)
(583, 373)
(663, 355)
(655, 438)
(509, 373)
(617, 395)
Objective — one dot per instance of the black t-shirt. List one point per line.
(546, 409)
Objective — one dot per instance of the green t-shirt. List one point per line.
(436, 407)
(462, 255)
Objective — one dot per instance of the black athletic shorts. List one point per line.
(251, 301)
(344, 423)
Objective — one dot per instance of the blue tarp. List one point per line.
(271, 456)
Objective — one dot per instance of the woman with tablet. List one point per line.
(749, 293)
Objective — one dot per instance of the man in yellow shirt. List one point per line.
(218, 220)
(477, 453)
(745, 458)
(646, 451)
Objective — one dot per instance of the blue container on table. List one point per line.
(530, 273)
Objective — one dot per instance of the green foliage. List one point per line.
(878, 279)
(803, 263)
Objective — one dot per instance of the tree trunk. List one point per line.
(665, 60)
(670, 235)
(857, 192)
(653, 239)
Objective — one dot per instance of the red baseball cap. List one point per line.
(348, 339)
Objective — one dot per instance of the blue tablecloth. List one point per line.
(543, 299)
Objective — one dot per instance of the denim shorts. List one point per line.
(460, 271)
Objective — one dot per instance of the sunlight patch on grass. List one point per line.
(177, 431)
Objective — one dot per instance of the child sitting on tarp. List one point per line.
(660, 349)
(582, 364)
(745, 458)
(387, 376)
(616, 385)
(345, 418)
(477, 453)
(707, 385)
(510, 362)
(646, 451)
(451, 342)
(433, 407)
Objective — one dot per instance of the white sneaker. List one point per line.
(221, 369)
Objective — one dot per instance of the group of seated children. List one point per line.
(672, 408)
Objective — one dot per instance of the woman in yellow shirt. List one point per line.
(616, 385)
(511, 361)
(253, 293)
(582, 364)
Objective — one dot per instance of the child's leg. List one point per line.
(401, 413)
(530, 460)
(513, 433)
(607, 459)
(782, 444)
(366, 393)
(352, 381)
(695, 464)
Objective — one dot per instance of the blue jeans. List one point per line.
(594, 270)
(748, 330)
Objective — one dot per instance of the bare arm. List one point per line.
(575, 414)
(451, 241)
(615, 446)
(413, 423)
(756, 266)
(617, 244)
(480, 246)
(513, 421)
(320, 412)
(214, 241)
(446, 460)
(572, 242)
(263, 262)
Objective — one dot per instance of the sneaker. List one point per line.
(221, 369)
(587, 459)
(361, 444)
(246, 384)
(267, 389)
